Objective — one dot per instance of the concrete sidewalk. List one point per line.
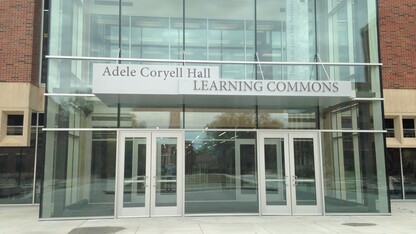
(23, 219)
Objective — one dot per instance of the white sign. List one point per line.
(189, 80)
(266, 88)
(154, 71)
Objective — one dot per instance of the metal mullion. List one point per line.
(36, 157)
(401, 174)
(211, 61)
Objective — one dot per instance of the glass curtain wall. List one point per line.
(81, 181)
(237, 31)
(353, 163)
(347, 33)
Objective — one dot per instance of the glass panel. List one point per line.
(152, 117)
(285, 32)
(64, 78)
(221, 30)
(271, 37)
(134, 172)
(394, 173)
(79, 112)
(73, 21)
(274, 161)
(350, 28)
(218, 179)
(166, 179)
(304, 159)
(362, 115)
(248, 170)
(80, 180)
(152, 34)
(220, 118)
(409, 172)
(16, 174)
(90, 112)
(40, 162)
(287, 118)
(347, 32)
(354, 172)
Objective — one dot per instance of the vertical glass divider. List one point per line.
(35, 159)
(401, 174)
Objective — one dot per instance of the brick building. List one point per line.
(397, 27)
(21, 99)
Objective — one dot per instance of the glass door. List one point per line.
(289, 173)
(274, 174)
(148, 180)
(305, 174)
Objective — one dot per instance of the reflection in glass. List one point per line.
(16, 175)
(248, 181)
(90, 112)
(409, 172)
(80, 181)
(80, 112)
(355, 183)
(152, 117)
(152, 34)
(166, 179)
(222, 31)
(304, 171)
(274, 161)
(220, 118)
(394, 173)
(134, 172)
(275, 118)
(356, 115)
(220, 172)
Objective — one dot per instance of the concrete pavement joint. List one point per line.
(267, 230)
(200, 227)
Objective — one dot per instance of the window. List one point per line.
(394, 173)
(409, 173)
(389, 124)
(37, 119)
(46, 5)
(409, 128)
(14, 125)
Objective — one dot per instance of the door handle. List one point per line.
(155, 181)
(295, 180)
(145, 181)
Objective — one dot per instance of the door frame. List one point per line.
(291, 208)
(150, 210)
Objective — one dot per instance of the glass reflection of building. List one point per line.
(247, 40)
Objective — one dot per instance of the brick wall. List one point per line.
(20, 24)
(397, 20)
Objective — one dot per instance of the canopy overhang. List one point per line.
(173, 86)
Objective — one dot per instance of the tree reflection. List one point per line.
(244, 120)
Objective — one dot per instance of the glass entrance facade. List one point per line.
(281, 40)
